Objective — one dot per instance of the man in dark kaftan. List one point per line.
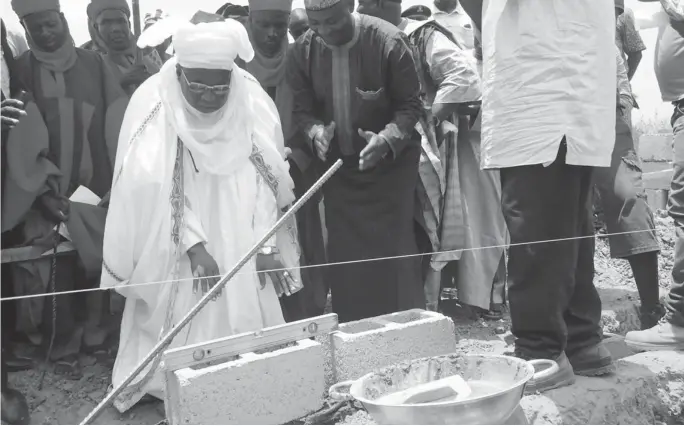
(67, 140)
(267, 27)
(356, 97)
(110, 28)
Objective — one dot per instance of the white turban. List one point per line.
(213, 45)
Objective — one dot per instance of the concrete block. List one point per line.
(361, 347)
(269, 387)
(656, 147)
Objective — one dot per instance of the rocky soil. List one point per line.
(63, 401)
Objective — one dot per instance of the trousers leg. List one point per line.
(542, 204)
(583, 313)
(675, 299)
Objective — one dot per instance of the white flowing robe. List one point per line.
(153, 220)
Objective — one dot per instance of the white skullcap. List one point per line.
(213, 45)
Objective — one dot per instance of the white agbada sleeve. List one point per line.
(194, 233)
(453, 71)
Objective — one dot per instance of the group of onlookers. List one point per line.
(462, 130)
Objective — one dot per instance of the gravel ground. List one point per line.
(63, 401)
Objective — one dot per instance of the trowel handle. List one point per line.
(340, 391)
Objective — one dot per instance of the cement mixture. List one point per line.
(63, 401)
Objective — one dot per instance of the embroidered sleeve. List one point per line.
(266, 212)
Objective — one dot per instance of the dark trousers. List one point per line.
(9, 308)
(553, 302)
(675, 299)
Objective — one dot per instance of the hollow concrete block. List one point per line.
(361, 347)
(269, 387)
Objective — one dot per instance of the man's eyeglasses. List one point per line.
(199, 88)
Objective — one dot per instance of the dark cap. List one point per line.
(418, 10)
(230, 10)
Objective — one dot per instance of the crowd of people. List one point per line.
(464, 130)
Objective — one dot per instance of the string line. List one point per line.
(378, 259)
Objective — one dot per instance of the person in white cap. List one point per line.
(201, 176)
(356, 97)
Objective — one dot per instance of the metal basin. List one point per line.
(498, 383)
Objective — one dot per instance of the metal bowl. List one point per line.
(498, 383)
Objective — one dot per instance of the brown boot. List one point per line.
(592, 361)
(553, 380)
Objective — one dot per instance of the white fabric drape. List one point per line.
(155, 215)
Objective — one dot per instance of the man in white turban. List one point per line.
(201, 176)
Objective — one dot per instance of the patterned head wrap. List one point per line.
(96, 7)
(319, 4)
(282, 5)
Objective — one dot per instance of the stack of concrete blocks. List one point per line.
(285, 384)
(270, 387)
(361, 347)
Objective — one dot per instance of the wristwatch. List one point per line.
(268, 251)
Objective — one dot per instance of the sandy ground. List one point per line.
(63, 401)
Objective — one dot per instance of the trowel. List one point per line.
(452, 388)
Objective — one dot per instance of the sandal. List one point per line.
(495, 312)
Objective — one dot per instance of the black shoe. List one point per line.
(15, 410)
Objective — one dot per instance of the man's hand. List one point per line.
(55, 206)
(283, 281)
(204, 269)
(322, 137)
(375, 151)
(135, 76)
(12, 112)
